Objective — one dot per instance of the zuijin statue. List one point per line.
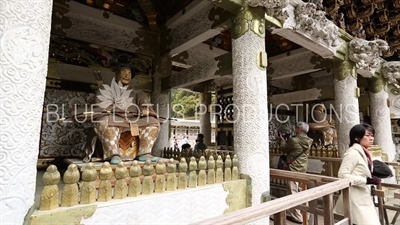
(322, 127)
(124, 121)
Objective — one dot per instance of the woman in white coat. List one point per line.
(357, 166)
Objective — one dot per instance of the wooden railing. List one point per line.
(110, 182)
(321, 187)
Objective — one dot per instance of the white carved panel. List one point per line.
(250, 98)
(24, 43)
(63, 139)
(179, 207)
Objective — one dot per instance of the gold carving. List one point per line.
(120, 188)
(160, 177)
(211, 170)
(262, 60)
(171, 179)
(228, 171)
(236, 199)
(68, 216)
(182, 182)
(105, 192)
(70, 194)
(248, 18)
(395, 91)
(135, 186)
(192, 173)
(376, 84)
(235, 169)
(357, 92)
(50, 193)
(202, 171)
(343, 68)
(89, 176)
(219, 174)
(148, 184)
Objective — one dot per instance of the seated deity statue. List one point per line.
(124, 120)
(322, 123)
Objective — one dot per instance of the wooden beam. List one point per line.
(196, 55)
(206, 23)
(209, 70)
(229, 5)
(303, 96)
(85, 23)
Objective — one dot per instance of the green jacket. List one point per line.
(294, 147)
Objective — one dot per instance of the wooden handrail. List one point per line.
(278, 205)
(289, 175)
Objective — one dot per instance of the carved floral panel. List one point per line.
(63, 139)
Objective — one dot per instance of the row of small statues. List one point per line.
(188, 153)
(141, 181)
(318, 150)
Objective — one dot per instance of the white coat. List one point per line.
(355, 167)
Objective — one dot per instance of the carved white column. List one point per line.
(24, 43)
(205, 120)
(346, 101)
(161, 101)
(250, 99)
(380, 116)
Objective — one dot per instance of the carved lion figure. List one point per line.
(366, 53)
(391, 71)
(311, 21)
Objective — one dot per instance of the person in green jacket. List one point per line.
(296, 148)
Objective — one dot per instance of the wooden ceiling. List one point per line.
(152, 13)
(274, 44)
(368, 19)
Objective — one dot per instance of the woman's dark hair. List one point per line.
(358, 132)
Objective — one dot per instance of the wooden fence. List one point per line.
(106, 184)
(320, 187)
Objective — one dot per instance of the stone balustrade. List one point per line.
(93, 185)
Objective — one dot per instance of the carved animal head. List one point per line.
(379, 45)
(391, 71)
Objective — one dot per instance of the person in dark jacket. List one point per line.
(296, 148)
(200, 146)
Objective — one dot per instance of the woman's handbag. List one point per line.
(381, 170)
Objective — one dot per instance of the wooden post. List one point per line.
(328, 209)
(280, 218)
(304, 213)
(346, 204)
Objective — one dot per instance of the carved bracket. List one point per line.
(366, 55)
(308, 27)
(278, 7)
(312, 23)
(391, 71)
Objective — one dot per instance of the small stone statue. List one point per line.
(361, 33)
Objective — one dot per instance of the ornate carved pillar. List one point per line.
(24, 43)
(380, 114)
(250, 98)
(161, 101)
(346, 100)
(205, 120)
